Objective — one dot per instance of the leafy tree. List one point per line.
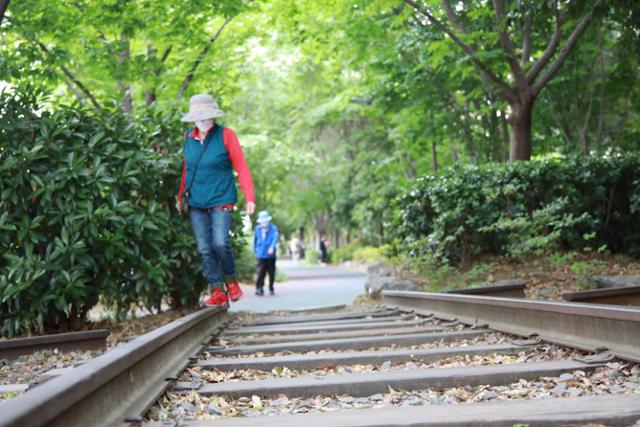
(529, 76)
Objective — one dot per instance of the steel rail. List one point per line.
(624, 295)
(120, 383)
(584, 326)
(512, 290)
(68, 341)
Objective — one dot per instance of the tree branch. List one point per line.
(526, 39)
(505, 91)
(509, 48)
(150, 94)
(165, 55)
(458, 25)
(452, 16)
(71, 77)
(555, 115)
(4, 4)
(571, 42)
(123, 61)
(549, 51)
(189, 77)
(74, 90)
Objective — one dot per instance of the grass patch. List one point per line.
(547, 276)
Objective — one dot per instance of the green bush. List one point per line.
(370, 253)
(358, 252)
(312, 256)
(86, 212)
(522, 207)
(539, 231)
(345, 252)
(246, 264)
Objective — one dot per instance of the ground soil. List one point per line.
(547, 276)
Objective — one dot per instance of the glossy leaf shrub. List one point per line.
(86, 214)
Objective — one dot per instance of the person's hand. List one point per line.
(251, 208)
(270, 251)
(179, 205)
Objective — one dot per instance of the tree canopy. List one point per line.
(340, 104)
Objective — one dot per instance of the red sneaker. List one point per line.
(234, 291)
(217, 298)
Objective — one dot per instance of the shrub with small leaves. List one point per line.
(522, 207)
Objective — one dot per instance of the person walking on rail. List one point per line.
(265, 243)
(208, 193)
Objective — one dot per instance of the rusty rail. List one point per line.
(69, 341)
(122, 382)
(626, 295)
(583, 326)
(511, 290)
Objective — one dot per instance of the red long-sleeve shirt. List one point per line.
(238, 162)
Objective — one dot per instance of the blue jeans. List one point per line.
(211, 230)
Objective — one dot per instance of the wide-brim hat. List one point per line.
(202, 107)
(264, 217)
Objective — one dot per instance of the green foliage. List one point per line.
(345, 252)
(356, 251)
(285, 73)
(311, 256)
(86, 204)
(129, 48)
(478, 273)
(245, 263)
(539, 231)
(281, 276)
(522, 208)
(560, 258)
(584, 270)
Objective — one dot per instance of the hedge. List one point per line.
(572, 203)
(86, 214)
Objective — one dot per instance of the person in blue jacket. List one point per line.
(264, 246)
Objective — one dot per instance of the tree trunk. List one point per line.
(4, 4)
(150, 94)
(123, 61)
(584, 143)
(434, 156)
(603, 78)
(504, 133)
(520, 138)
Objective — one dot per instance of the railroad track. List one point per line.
(68, 341)
(412, 361)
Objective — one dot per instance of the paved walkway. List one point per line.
(307, 287)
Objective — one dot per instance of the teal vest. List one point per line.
(214, 183)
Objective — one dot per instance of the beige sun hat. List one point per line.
(202, 107)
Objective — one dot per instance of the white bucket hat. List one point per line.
(264, 217)
(202, 107)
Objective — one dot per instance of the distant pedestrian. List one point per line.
(324, 250)
(264, 246)
(295, 247)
